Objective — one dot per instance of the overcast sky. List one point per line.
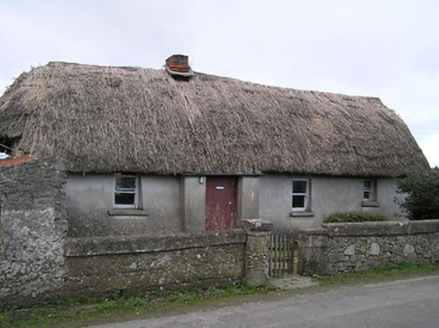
(383, 48)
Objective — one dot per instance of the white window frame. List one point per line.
(305, 194)
(135, 192)
(371, 190)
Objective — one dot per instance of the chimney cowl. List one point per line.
(178, 65)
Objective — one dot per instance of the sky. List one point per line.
(382, 48)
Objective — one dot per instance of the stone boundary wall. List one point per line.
(341, 247)
(104, 266)
(33, 228)
(132, 265)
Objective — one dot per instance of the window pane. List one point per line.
(366, 195)
(367, 184)
(125, 183)
(299, 186)
(298, 201)
(124, 199)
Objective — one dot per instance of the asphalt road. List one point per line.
(403, 303)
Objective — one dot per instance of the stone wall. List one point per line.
(337, 248)
(127, 265)
(33, 228)
(103, 266)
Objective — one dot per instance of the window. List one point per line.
(370, 193)
(300, 195)
(125, 191)
(369, 190)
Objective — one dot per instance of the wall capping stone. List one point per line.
(255, 225)
(388, 228)
(93, 246)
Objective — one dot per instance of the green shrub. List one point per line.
(421, 200)
(354, 217)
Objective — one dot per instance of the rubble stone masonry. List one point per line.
(33, 227)
(342, 247)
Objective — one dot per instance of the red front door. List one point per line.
(221, 203)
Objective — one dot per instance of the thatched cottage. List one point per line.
(171, 150)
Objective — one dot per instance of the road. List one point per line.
(404, 303)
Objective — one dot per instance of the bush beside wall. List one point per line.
(421, 201)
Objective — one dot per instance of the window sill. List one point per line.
(127, 212)
(370, 203)
(302, 214)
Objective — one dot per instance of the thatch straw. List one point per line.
(106, 119)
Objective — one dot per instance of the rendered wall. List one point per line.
(33, 228)
(327, 195)
(337, 248)
(249, 198)
(193, 199)
(91, 211)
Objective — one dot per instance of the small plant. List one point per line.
(354, 217)
(229, 291)
(216, 292)
(138, 302)
(248, 289)
(106, 306)
(162, 292)
(183, 297)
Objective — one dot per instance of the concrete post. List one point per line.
(256, 252)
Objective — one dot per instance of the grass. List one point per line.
(80, 313)
(74, 314)
(379, 274)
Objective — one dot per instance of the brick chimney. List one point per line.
(178, 66)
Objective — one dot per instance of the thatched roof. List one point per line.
(107, 119)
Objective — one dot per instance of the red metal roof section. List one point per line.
(13, 160)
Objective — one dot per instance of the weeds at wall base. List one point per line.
(380, 273)
(117, 305)
(69, 313)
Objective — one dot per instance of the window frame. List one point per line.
(305, 208)
(135, 191)
(371, 190)
(372, 201)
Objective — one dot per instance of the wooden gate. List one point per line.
(280, 255)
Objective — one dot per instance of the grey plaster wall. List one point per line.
(337, 248)
(327, 195)
(193, 197)
(91, 211)
(249, 197)
(33, 228)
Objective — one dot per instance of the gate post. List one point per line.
(256, 250)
